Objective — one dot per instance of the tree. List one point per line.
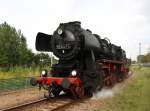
(13, 47)
(141, 59)
(8, 45)
(14, 50)
(25, 55)
(148, 57)
(42, 59)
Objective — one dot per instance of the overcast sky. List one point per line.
(124, 22)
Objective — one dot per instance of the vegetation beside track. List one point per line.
(17, 78)
(14, 84)
(19, 72)
(133, 97)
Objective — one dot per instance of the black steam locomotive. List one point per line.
(86, 61)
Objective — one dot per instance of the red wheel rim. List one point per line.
(80, 92)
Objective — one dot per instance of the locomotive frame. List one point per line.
(74, 85)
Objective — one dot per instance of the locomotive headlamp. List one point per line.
(44, 73)
(59, 31)
(74, 73)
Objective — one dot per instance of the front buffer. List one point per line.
(55, 85)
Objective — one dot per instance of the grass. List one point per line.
(20, 72)
(14, 84)
(135, 96)
(17, 78)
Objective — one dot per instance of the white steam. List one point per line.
(107, 92)
(104, 93)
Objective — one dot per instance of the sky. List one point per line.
(125, 22)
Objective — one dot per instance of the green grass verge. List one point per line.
(135, 96)
(14, 84)
(21, 72)
(18, 78)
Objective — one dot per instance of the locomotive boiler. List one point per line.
(86, 61)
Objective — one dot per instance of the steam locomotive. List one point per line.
(86, 62)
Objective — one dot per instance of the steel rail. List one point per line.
(60, 102)
(23, 105)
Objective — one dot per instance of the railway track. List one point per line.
(17, 107)
(53, 104)
(16, 91)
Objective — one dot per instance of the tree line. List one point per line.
(14, 50)
(144, 58)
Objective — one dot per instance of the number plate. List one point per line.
(63, 46)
